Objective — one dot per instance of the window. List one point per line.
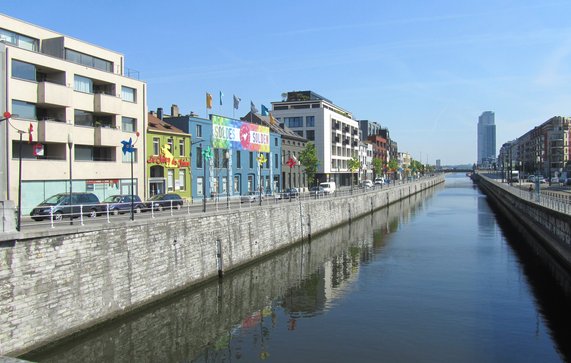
(276, 161)
(156, 146)
(224, 184)
(128, 94)
(198, 130)
(82, 84)
(199, 157)
(182, 179)
(199, 185)
(310, 121)
(23, 70)
(181, 151)
(299, 132)
(24, 110)
(238, 159)
(310, 135)
(276, 141)
(251, 160)
(19, 40)
(293, 121)
(87, 60)
(126, 157)
(170, 141)
(128, 124)
(250, 183)
(94, 153)
(170, 180)
(267, 160)
(236, 183)
(83, 118)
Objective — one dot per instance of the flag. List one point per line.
(30, 130)
(265, 111)
(221, 95)
(236, 102)
(208, 100)
(273, 121)
(253, 108)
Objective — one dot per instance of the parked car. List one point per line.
(60, 207)
(317, 191)
(531, 178)
(164, 201)
(366, 184)
(554, 179)
(379, 181)
(290, 193)
(122, 204)
(328, 187)
(251, 197)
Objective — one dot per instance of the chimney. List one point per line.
(174, 111)
(160, 113)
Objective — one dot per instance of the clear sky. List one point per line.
(424, 69)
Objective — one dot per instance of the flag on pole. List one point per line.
(221, 95)
(253, 108)
(273, 121)
(208, 100)
(265, 111)
(236, 102)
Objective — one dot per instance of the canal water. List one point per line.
(438, 277)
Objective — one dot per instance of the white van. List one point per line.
(329, 187)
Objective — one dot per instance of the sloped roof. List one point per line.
(156, 124)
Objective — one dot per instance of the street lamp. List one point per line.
(70, 145)
(206, 155)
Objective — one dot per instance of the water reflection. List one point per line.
(200, 325)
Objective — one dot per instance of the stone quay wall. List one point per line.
(550, 227)
(56, 283)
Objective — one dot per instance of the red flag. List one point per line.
(30, 130)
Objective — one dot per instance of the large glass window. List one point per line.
(94, 153)
(128, 124)
(310, 121)
(293, 121)
(83, 118)
(19, 40)
(88, 60)
(310, 135)
(82, 84)
(23, 70)
(128, 94)
(24, 110)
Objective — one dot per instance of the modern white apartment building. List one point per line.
(76, 103)
(332, 129)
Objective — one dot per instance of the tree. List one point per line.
(308, 158)
(377, 166)
(354, 164)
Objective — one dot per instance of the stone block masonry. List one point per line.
(54, 284)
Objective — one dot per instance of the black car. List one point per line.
(290, 193)
(122, 204)
(164, 201)
(59, 207)
(317, 191)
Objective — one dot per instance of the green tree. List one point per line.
(354, 164)
(377, 166)
(308, 158)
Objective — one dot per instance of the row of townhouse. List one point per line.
(542, 150)
(80, 120)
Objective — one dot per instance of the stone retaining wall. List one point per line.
(52, 285)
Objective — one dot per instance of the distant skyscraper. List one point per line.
(486, 139)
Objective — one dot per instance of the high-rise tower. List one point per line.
(486, 139)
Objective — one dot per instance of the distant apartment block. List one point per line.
(75, 102)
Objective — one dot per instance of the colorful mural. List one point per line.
(237, 135)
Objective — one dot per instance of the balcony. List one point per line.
(54, 94)
(107, 104)
(51, 131)
(107, 136)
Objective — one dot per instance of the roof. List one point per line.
(276, 128)
(156, 124)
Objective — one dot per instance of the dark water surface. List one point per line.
(438, 277)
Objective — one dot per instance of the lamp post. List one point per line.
(18, 224)
(70, 145)
(206, 155)
(261, 160)
(227, 154)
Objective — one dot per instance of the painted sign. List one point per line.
(167, 159)
(237, 135)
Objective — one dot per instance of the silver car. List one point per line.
(251, 197)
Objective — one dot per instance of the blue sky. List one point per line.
(424, 69)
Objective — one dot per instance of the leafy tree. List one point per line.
(308, 158)
(377, 166)
(393, 165)
(354, 164)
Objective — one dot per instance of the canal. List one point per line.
(437, 277)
